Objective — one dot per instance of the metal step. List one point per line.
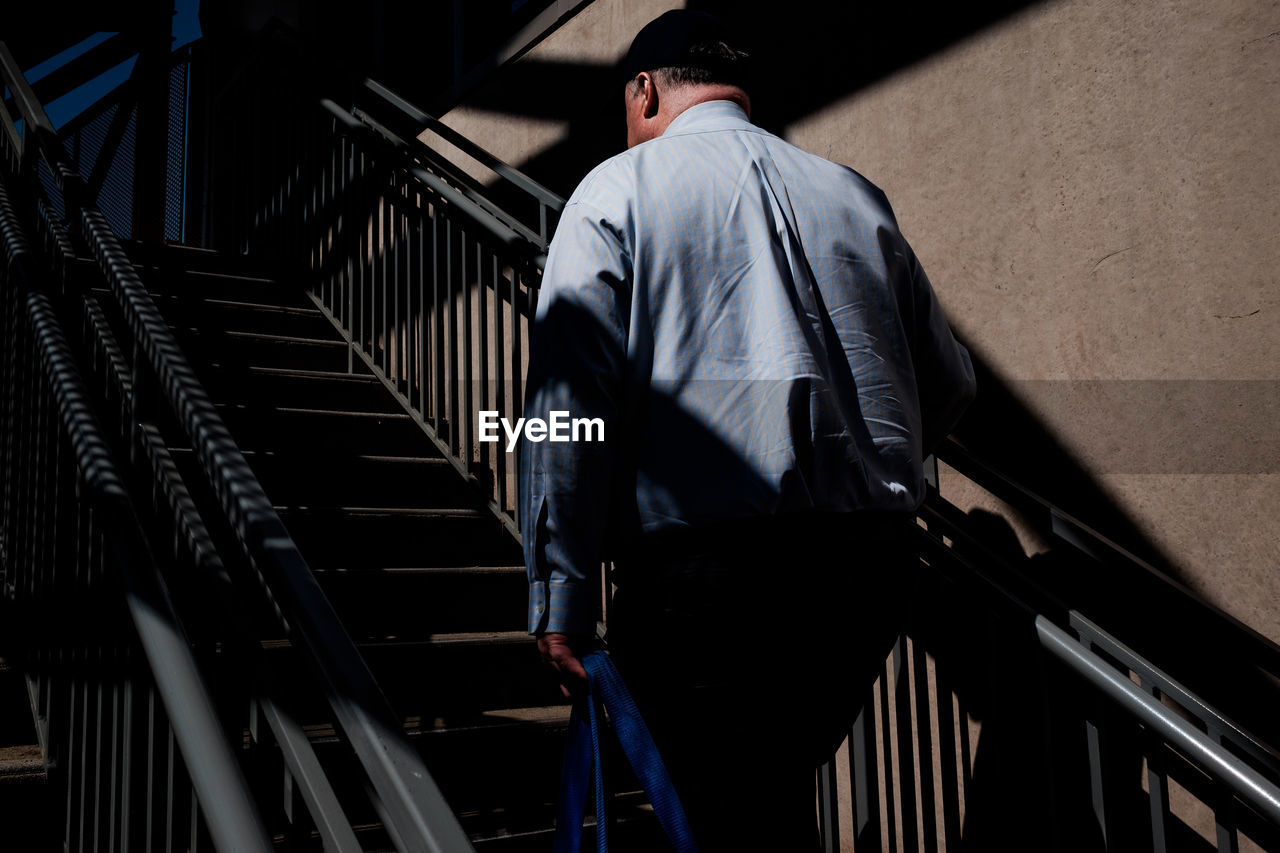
(453, 678)
(384, 537)
(299, 321)
(327, 432)
(360, 480)
(298, 388)
(23, 763)
(634, 829)
(199, 260)
(260, 349)
(412, 603)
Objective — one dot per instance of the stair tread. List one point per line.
(24, 760)
(424, 570)
(167, 298)
(627, 807)
(433, 461)
(537, 717)
(241, 304)
(232, 276)
(307, 410)
(461, 638)
(300, 373)
(384, 511)
(266, 336)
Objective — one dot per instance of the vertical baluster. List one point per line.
(966, 752)
(407, 360)
(906, 745)
(500, 385)
(423, 336)
(517, 323)
(329, 215)
(369, 298)
(362, 284)
(397, 268)
(468, 378)
(950, 760)
(451, 413)
(349, 254)
(924, 751)
(886, 755)
(863, 777)
(153, 758)
(1224, 825)
(404, 286)
(128, 744)
(437, 322)
(383, 239)
(193, 821)
(98, 799)
(1110, 777)
(1158, 797)
(172, 832)
(71, 830)
(343, 309)
(330, 223)
(84, 757)
(482, 391)
(828, 807)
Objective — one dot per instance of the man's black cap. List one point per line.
(670, 41)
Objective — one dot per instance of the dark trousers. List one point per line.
(747, 648)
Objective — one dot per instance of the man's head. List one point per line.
(679, 59)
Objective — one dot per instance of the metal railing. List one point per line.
(248, 564)
(125, 718)
(430, 281)
(1004, 718)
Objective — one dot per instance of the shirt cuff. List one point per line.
(564, 607)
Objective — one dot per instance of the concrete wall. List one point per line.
(1094, 188)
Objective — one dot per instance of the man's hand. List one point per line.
(558, 651)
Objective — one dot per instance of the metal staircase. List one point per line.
(262, 583)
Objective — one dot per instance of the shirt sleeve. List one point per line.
(944, 371)
(577, 359)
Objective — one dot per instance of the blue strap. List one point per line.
(607, 689)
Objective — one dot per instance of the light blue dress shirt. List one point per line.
(756, 335)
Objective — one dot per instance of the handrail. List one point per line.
(500, 230)
(414, 810)
(1242, 779)
(1154, 679)
(462, 143)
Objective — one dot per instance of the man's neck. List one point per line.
(681, 99)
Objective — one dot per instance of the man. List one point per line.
(772, 366)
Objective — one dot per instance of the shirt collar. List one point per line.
(709, 115)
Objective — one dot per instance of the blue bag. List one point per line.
(583, 750)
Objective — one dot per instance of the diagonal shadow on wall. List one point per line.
(809, 56)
